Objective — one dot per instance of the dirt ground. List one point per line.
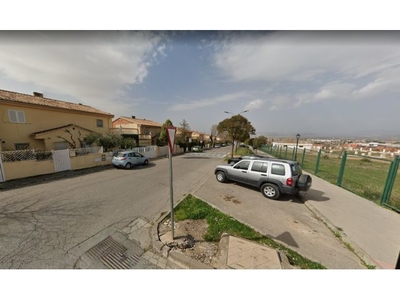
(189, 239)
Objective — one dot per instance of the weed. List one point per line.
(348, 246)
(365, 160)
(219, 223)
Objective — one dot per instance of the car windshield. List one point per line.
(121, 154)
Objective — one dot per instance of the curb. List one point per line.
(175, 258)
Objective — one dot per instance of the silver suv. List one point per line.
(272, 176)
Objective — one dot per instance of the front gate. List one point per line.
(61, 160)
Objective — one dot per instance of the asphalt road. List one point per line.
(44, 226)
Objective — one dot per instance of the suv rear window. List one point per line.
(278, 169)
(296, 170)
(259, 166)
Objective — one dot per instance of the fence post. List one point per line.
(286, 153)
(317, 162)
(341, 170)
(394, 166)
(302, 159)
(384, 198)
(293, 154)
(280, 151)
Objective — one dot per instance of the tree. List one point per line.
(163, 134)
(258, 141)
(184, 134)
(237, 128)
(110, 141)
(214, 133)
(92, 138)
(128, 143)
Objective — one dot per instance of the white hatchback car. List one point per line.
(127, 159)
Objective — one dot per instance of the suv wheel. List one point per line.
(270, 191)
(221, 177)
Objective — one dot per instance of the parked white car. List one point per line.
(127, 159)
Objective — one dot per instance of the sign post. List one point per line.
(171, 138)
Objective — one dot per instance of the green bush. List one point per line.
(365, 160)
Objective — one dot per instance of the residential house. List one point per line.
(198, 136)
(37, 122)
(145, 132)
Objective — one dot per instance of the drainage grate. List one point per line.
(119, 261)
(111, 254)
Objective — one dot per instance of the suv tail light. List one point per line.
(124, 158)
(289, 181)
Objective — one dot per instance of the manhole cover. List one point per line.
(112, 254)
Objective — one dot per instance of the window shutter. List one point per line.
(12, 114)
(21, 116)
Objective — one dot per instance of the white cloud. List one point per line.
(255, 104)
(190, 105)
(303, 55)
(93, 67)
(386, 81)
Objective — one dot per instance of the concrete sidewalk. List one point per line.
(372, 229)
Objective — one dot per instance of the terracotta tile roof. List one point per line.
(141, 121)
(37, 100)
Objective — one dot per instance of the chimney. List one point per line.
(36, 94)
(133, 117)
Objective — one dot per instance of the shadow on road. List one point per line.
(298, 199)
(315, 195)
(35, 180)
(287, 238)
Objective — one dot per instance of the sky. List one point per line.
(315, 83)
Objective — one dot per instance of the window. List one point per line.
(243, 165)
(278, 169)
(99, 123)
(60, 145)
(16, 116)
(259, 166)
(296, 169)
(22, 146)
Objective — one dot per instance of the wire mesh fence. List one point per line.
(22, 155)
(372, 178)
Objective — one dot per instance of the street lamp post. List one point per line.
(297, 145)
(242, 112)
(233, 140)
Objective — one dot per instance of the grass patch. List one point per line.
(239, 152)
(219, 223)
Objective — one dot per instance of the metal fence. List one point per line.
(372, 178)
(89, 150)
(41, 155)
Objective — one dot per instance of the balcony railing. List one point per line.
(124, 130)
(130, 131)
